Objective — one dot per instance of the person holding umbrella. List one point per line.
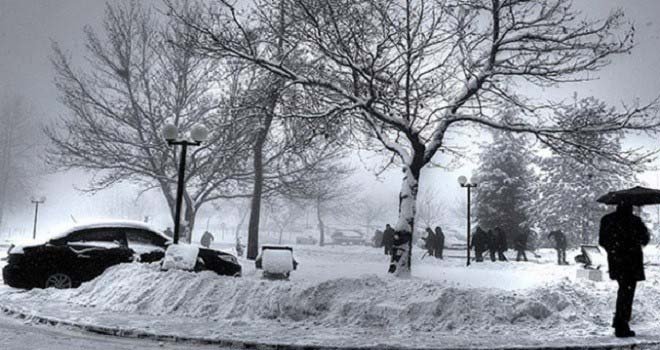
(623, 235)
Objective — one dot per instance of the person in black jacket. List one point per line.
(388, 239)
(439, 242)
(623, 234)
(560, 245)
(520, 245)
(492, 244)
(479, 243)
(207, 239)
(501, 243)
(429, 241)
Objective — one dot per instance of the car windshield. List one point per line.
(107, 235)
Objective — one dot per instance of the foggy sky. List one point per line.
(28, 26)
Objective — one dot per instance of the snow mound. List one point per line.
(180, 256)
(277, 260)
(367, 302)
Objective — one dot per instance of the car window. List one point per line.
(107, 235)
(143, 237)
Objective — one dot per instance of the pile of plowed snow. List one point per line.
(371, 301)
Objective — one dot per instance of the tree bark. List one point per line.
(320, 223)
(255, 207)
(400, 263)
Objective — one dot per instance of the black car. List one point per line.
(348, 237)
(82, 253)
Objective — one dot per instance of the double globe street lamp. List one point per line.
(463, 181)
(198, 134)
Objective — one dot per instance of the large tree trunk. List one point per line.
(255, 207)
(402, 249)
(320, 223)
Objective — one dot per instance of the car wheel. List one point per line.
(59, 280)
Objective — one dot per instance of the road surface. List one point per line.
(16, 334)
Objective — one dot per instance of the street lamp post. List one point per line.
(36, 202)
(171, 133)
(462, 180)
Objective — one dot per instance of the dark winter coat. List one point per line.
(439, 239)
(479, 240)
(388, 237)
(501, 244)
(429, 241)
(491, 241)
(560, 239)
(623, 234)
(520, 241)
(206, 239)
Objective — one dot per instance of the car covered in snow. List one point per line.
(306, 240)
(348, 237)
(83, 252)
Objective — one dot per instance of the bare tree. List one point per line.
(368, 211)
(142, 73)
(411, 72)
(430, 210)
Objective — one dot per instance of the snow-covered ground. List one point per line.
(342, 295)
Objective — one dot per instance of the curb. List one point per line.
(141, 334)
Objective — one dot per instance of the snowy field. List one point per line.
(343, 296)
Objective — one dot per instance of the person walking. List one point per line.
(439, 243)
(207, 239)
(479, 243)
(560, 245)
(520, 245)
(429, 242)
(492, 245)
(623, 234)
(388, 239)
(501, 243)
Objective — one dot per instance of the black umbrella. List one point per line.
(634, 196)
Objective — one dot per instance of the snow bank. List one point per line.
(370, 302)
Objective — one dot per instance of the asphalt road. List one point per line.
(17, 334)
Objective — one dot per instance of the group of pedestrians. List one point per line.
(434, 242)
(494, 242)
(622, 234)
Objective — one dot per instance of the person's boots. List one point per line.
(622, 330)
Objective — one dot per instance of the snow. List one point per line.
(180, 256)
(343, 295)
(97, 223)
(277, 260)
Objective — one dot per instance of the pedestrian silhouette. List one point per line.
(560, 245)
(429, 241)
(520, 245)
(388, 239)
(501, 243)
(439, 242)
(492, 244)
(623, 234)
(207, 239)
(479, 243)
